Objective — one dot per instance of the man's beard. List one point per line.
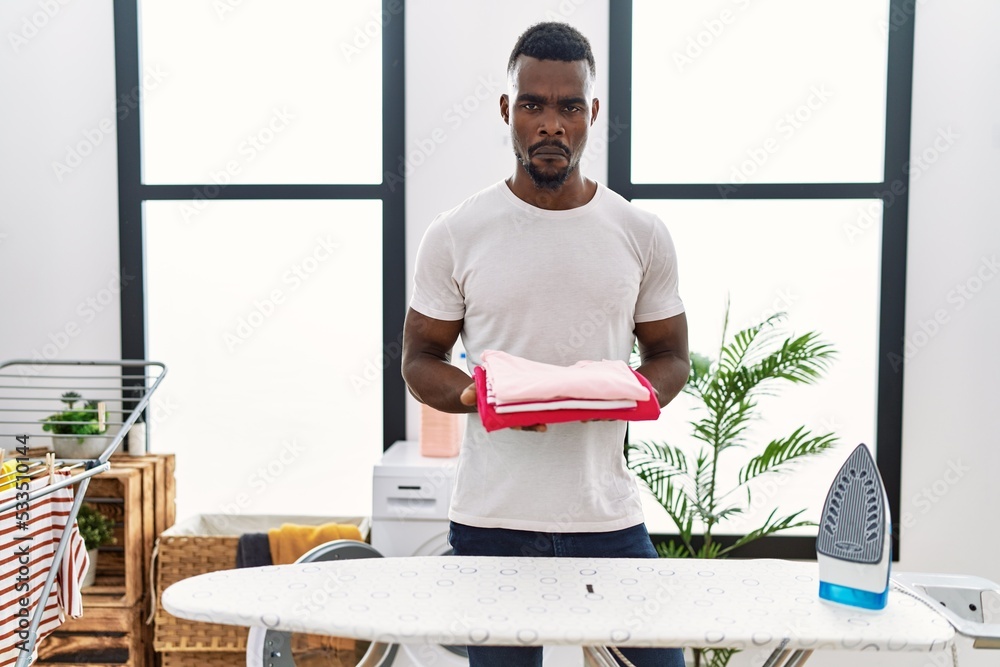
(547, 180)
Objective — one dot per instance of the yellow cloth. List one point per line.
(7, 475)
(290, 541)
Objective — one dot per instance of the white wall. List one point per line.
(58, 227)
(58, 239)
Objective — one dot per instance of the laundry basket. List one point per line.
(207, 543)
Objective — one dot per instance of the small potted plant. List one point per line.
(75, 431)
(97, 531)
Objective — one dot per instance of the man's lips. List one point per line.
(549, 152)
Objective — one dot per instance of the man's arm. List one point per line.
(663, 347)
(427, 371)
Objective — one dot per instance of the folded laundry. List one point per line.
(564, 404)
(292, 540)
(645, 410)
(516, 380)
(253, 550)
(553, 403)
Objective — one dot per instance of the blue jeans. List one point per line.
(631, 542)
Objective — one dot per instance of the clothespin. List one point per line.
(101, 413)
(4, 482)
(50, 463)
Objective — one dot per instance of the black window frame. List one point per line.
(132, 192)
(892, 190)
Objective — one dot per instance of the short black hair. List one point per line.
(553, 41)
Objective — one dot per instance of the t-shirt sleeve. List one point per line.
(659, 297)
(436, 293)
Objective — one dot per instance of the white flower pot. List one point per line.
(91, 575)
(137, 439)
(70, 447)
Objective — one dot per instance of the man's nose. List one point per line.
(551, 124)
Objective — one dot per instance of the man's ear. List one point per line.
(594, 108)
(505, 108)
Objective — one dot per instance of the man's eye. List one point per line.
(572, 109)
(530, 106)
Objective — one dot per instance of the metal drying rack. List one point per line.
(29, 390)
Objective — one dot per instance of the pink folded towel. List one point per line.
(564, 404)
(492, 421)
(518, 380)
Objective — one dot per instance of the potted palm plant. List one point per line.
(78, 433)
(755, 362)
(97, 531)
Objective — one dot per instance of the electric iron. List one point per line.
(854, 548)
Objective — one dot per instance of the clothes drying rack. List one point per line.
(31, 390)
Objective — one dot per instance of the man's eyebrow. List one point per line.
(528, 97)
(539, 99)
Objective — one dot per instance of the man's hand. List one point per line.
(468, 397)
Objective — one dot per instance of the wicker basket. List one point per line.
(232, 659)
(203, 659)
(207, 543)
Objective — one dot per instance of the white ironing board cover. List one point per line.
(536, 601)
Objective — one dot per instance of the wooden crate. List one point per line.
(118, 495)
(102, 636)
(138, 493)
(164, 486)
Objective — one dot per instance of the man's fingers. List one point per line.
(468, 396)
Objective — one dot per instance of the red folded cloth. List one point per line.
(644, 411)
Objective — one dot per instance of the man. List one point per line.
(554, 267)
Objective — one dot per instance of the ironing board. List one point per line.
(590, 602)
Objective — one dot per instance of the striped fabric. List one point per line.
(40, 534)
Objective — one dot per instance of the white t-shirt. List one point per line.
(556, 287)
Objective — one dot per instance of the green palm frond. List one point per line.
(672, 550)
(716, 657)
(803, 359)
(700, 375)
(771, 526)
(728, 513)
(724, 428)
(678, 506)
(655, 463)
(747, 342)
(783, 451)
(709, 550)
(703, 479)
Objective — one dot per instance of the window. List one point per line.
(258, 206)
(772, 139)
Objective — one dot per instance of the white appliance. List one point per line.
(410, 498)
